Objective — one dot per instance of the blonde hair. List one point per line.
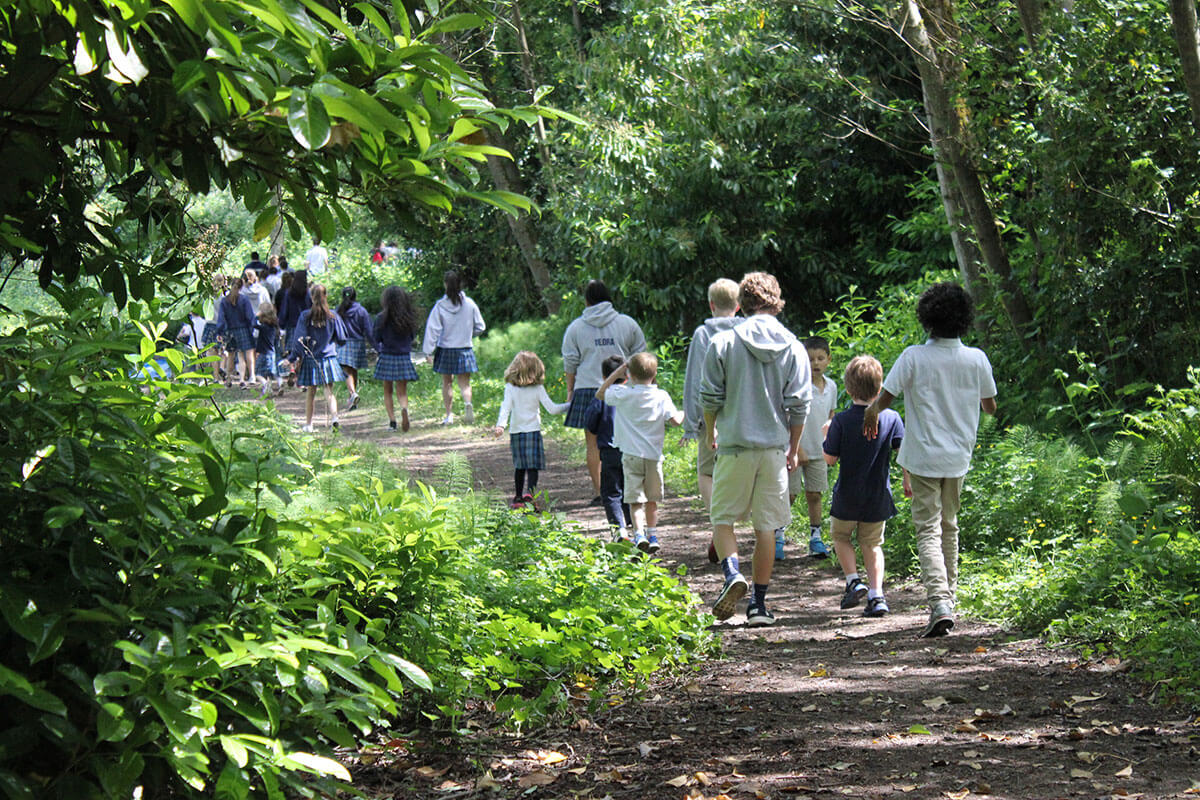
(863, 377)
(526, 369)
(266, 313)
(643, 367)
(723, 295)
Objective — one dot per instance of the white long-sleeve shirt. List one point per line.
(522, 404)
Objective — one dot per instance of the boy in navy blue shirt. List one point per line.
(598, 420)
(862, 497)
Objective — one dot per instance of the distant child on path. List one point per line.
(392, 336)
(314, 345)
(862, 496)
(266, 343)
(235, 329)
(352, 354)
(812, 476)
(642, 413)
(599, 422)
(454, 321)
(722, 302)
(945, 384)
(524, 391)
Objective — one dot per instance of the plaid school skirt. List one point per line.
(265, 365)
(320, 371)
(209, 336)
(395, 367)
(239, 339)
(527, 450)
(353, 354)
(454, 361)
(580, 400)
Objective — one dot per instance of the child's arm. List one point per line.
(505, 410)
(548, 404)
(988, 404)
(907, 484)
(676, 419)
(871, 415)
(612, 378)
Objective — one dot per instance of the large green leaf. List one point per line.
(308, 120)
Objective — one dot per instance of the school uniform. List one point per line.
(599, 421)
(523, 404)
(266, 363)
(395, 353)
(317, 346)
(357, 324)
(236, 323)
(448, 334)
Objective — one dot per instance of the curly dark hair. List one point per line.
(945, 310)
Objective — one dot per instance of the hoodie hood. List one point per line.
(449, 307)
(765, 337)
(715, 325)
(599, 315)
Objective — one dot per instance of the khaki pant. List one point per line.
(935, 504)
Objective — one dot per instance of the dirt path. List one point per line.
(823, 704)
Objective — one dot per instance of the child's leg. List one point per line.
(814, 508)
(248, 357)
(610, 480)
(951, 499)
(331, 402)
(447, 394)
(532, 479)
(651, 514)
(351, 381)
(464, 387)
(518, 484)
(843, 547)
(402, 393)
(929, 522)
(870, 539)
(638, 512)
(310, 401)
(388, 405)
(705, 458)
(593, 459)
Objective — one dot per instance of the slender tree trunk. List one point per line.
(277, 240)
(947, 136)
(1030, 12)
(531, 85)
(577, 21)
(1187, 37)
(507, 178)
(965, 252)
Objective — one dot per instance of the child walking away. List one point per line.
(392, 336)
(265, 346)
(945, 384)
(352, 354)
(315, 339)
(642, 413)
(453, 322)
(598, 421)
(812, 476)
(524, 391)
(862, 496)
(235, 327)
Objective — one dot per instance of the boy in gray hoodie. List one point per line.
(755, 388)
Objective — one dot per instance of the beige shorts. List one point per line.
(643, 479)
(870, 534)
(706, 457)
(751, 483)
(810, 476)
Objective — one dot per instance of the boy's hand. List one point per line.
(676, 419)
(871, 422)
(800, 454)
(907, 485)
(497, 431)
(793, 458)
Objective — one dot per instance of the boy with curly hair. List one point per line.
(945, 384)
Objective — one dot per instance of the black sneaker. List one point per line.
(392, 425)
(712, 553)
(876, 607)
(597, 501)
(856, 590)
(941, 619)
(733, 591)
(759, 617)
(353, 402)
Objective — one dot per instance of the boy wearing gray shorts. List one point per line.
(811, 478)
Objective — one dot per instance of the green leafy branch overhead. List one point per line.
(109, 110)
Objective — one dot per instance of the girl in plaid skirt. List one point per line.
(235, 330)
(352, 355)
(524, 392)
(392, 336)
(452, 325)
(265, 346)
(314, 343)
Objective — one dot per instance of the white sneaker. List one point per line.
(468, 414)
(449, 420)
(307, 428)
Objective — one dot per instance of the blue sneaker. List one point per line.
(856, 590)
(780, 541)
(641, 542)
(652, 545)
(733, 591)
(876, 607)
(817, 548)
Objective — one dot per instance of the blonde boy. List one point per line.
(642, 412)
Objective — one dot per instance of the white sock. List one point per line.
(872, 593)
(851, 578)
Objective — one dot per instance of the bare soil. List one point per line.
(823, 704)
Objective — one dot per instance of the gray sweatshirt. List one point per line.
(758, 382)
(695, 365)
(599, 332)
(452, 326)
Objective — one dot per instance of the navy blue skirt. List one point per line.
(527, 450)
(320, 371)
(265, 365)
(580, 400)
(353, 354)
(209, 336)
(395, 367)
(454, 361)
(239, 339)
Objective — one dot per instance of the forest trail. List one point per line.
(823, 704)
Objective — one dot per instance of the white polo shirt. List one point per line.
(640, 414)
(942, 382)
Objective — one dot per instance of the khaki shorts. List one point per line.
(643, 479)
(751, 483)
(706, 457)
(870, 534)
(809, 476)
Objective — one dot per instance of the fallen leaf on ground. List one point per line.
(1124, 773)
(749, 787)
(965, 726)
(645, 749)
(1086, 757)
(1080, 773)
(582, 724)
(452, 786)
(544, 756)
(841, 766)
(611, 775)
(935, 702)
(920, 730)
(819, 672)
(486, 782)
(1076, 699)
(692, 688)
(980, 649)
(809, 708)
(681, 781)
(959, 795)
(430, 773)
(703, 778)
(536, 779)
(975, 765)
(908, 787)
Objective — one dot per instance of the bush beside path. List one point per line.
(823, 704)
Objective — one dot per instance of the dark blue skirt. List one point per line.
(454, 361)
(580, 400)
(320, 371)
(265, 365)
(527, 450)
(209, 336)
(395, 367)
(353, 354)
(239, 339)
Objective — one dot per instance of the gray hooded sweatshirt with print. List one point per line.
(758, 383)
(599, 332)
(695, 365)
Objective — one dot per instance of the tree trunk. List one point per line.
(507, 178)
(965, 252)
(1183, 22)
(1030, 12)
(577, 21)
(531, 85)
(947, 136)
